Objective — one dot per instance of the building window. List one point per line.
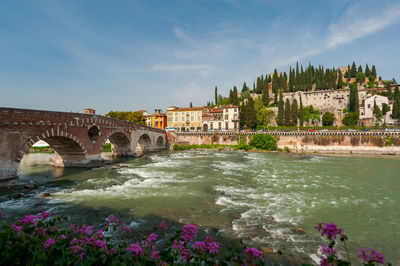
(192, 113)
(198, 118)
(219, 125)
(235, 110)
(369, 106)
(183, 119)
(226, 125)
(176, 119)
(192, 118)
(226, 117)
(211, 125)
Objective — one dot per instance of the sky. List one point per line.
(129, 55)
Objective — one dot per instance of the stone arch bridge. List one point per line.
(77, 139)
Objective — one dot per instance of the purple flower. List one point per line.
(45, 215)
(155, 255)
(374, 256)
(88, 229)
(253, 253)
(178, 245)
(63, 237)
(163, 225)
(200, 245)
(135, 249)
(213, 247)
(49, 243)
(16, 228)
(330, 230)
(101, 244)
(75, 248)
(1, 214)
(325, 249)
(185, 253)
(189, 232)
(324, 262)
(42, 230)
(29, 219)
(163, 263)
(150, 240)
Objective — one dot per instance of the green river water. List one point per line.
(260, 197)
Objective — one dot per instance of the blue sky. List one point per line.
(130, 55)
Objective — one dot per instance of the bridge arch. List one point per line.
(160, 142)
(69, 150)
(143, 144)
(120, 143)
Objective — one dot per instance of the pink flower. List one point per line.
(253, 253)
(150, 240)
(111, 220)
(1, 214)
(374, 256)
(88, 229)
(163, 264)
(126, 230)
(185, 253)
(200, 246)
(45, 215)
(189, 232)
(100, 233)
(155, 255)
(82, 255)
(135, 249)
(63, 237)
(49, 243)
(29, 219)
(163, 225)
(101, 244)
(16, 228)
(213, 247)
(330, 230)
(42, 230)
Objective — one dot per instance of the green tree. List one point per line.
(294, 113)
(191, 105)
(377, 112)
(385, 108)
(264, 142)
(134, 117)
(360, 77)
(340, 81)
(265, 116)
(353, 103)
(353, 70)
(367, 71)
(243, 115)
(301, 113)
(265, 96)
(287, 116)
(280, 110)
(328, 119)
(235, 98)
(216, 95)
(350, 119)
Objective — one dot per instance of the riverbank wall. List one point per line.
(336, 142)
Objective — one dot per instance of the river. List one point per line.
(260, 197)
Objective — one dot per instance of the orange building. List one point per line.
(157, 120)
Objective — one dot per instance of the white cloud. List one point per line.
(360, 21)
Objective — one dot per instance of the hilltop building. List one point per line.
(89, 111)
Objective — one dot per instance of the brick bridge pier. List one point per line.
(77, 139)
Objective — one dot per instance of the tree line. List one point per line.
(129, 116)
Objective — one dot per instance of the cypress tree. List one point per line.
(360, 69)
(294, 113)
(191, 105)
(396, 104)
(301, 114)
(340, 82)
(216, 95)
(243, 115)
(251, 114)
(373, 71)
(287, 116)
(353, 70)
(235, 98)
(265, 96)
(280, 110)
(367, 71)
(275, 85)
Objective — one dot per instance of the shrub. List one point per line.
(286, 149)
(264, 142)
(350, 119)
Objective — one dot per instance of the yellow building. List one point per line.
(185, 119)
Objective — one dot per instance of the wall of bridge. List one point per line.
(77, 139)
(341, 142)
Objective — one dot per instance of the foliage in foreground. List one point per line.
(43, 240)
(46, 240)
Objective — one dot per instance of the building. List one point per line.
(367, 117)
(89, 111)
(185, 118)
(222, 118)
(158, 119)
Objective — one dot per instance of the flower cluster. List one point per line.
(208, 245)
(189, 232)
(373, 256)
(330, 230)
